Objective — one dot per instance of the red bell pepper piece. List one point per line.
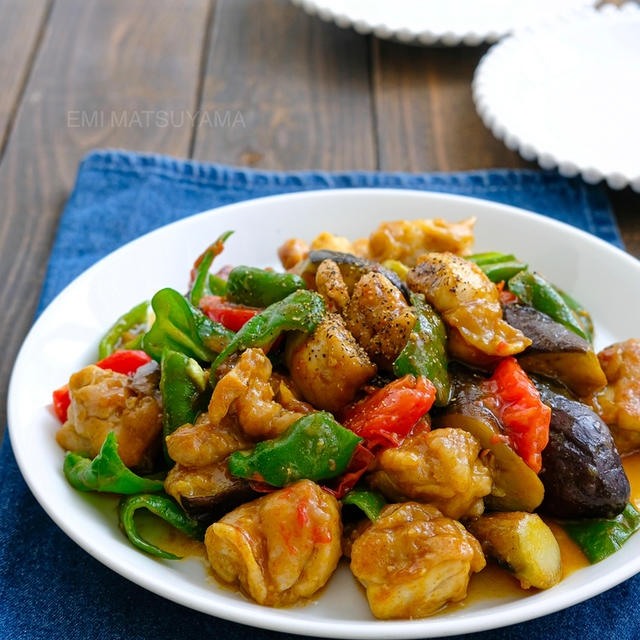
(515, 401)
(126, 362)
(358, 465)
(386, 417)
(232, 316)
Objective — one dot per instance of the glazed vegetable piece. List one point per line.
(387, 416)
(102, 401)
(535, 290)
(300, 311)
(314, 447)
(328, 366)
(440, 467)
(200, 274)
(181, 327)
(468, 301)
(618, 404)
(516, 402)
(498, 267)
(516, 487)
(106, 472)
(379, 318)
(555, 351)
(259, 288)
(242, 408)
(183, 385)
(279, 548)
(407, 240)
(207, 493)
(582, 472)
(598, 539)
(124, 331)
(425, 351)
(370, 503)
(412, 561)
(228, 314)
(521, 543)
(163, 507)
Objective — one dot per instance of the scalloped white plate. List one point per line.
(567, 94)
(444, 22)
(65, 338)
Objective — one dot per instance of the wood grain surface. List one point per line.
(249, 82)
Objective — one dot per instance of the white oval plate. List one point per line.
(443, 22)
(65, 338)
(566, 94)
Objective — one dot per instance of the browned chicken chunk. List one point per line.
(467, 300)
(281, 547)
(379, 318)
(242, 409)
(618, 404)
(293, 251)
(407, 240)
(441, 467)
(103, 401)
(413, 560)
(329, 366)
(331, 286)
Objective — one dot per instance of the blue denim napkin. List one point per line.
(50, 589)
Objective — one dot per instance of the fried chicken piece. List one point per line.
(281, 547)
(379, 318)
(292, 252)
(103, 401)
(413, 560)
(407, 240)
(440, 467)
(331, 286)
(467, 300)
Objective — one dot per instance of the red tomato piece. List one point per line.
(127, 361)
(61, 402)
(230, 315)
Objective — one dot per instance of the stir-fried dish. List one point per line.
(396, 400)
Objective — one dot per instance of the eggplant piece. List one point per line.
(556, 352)
(351, 267)
(207, 493)
(581, 469)
(521, 543)
(516, 487)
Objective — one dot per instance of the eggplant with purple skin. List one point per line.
(207, 493)
(581, 469)
(556, 352)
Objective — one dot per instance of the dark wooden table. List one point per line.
(73, 76)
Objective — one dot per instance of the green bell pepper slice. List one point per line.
(301, 310)
(315, 447)
(370, 503)
(536, 291)
(255, 287)
(179, 326)
(201, 281)
(183, 385)
(131, 320)
(497, 266)
(425, 352)
(163, 507)
(600, 538)
(106, 472)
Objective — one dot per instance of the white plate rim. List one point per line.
(266, 618)
(526, 147)
(407, 33)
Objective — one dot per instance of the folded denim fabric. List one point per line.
(50, 589)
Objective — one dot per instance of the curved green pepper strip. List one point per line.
(490, 257)
(538, 292)
(255, 287)
(163, 507)
(202, 265)
(496, 266)
(598, 539)
(315, 447)
(425, 352)
(183, 384)
(136, 317)
(581, 314)
(301, 310)
(181, 327)
(369, 502)
(217, 285)
(106, 472)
